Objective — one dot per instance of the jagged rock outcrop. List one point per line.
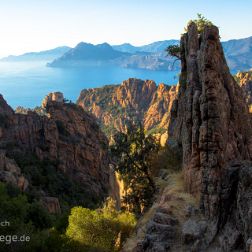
(135, 100)
(210, 109)
(244, 79)
(212, 125)
(66, 135)
(56, 97)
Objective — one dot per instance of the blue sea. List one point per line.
(26, 83)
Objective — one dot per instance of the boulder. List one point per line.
(193, 230)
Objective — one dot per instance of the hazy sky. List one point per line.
(33, 25)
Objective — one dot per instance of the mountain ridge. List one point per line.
(88, 52)
(238, 53)
(41, 55)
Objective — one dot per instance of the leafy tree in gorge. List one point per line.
(133, 153)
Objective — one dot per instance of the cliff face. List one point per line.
(135, 100)
(213, 127)
(212, 122)
(64, 135)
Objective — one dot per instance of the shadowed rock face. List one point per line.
(66, 135)
(212, 124)
(134, 99)
(211, 120)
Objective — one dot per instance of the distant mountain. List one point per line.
(159, 46)
(126, 47)
(154, 47)
(35, 56)
(152, 56)
(85, 52)
(238, 53)
(124, 55)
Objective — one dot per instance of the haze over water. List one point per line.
(26, 83)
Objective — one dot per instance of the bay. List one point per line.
(26, 83)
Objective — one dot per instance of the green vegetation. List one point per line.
(201, 22)
(156, 130)
(105, 229)
(43, 175)
(89, 230)
(173, 51)
(133, 153)
(24, 217)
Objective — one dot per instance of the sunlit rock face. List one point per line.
(56, 97)
(134, 100)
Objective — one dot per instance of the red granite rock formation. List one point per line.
(211, 120)
(135, 100)
(66, 135)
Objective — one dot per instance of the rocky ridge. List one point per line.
(135, 100)
(65, 135)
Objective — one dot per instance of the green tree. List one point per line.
(132, 154)
(100, 228)
(174, 51)
(200, 22)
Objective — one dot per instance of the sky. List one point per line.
(35, 25)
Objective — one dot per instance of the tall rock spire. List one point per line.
(211, 120)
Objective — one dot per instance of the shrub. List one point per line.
(200, 22)
(104, 229)
(174, 51)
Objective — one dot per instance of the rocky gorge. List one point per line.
(59, 154)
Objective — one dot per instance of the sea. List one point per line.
(27, 83)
